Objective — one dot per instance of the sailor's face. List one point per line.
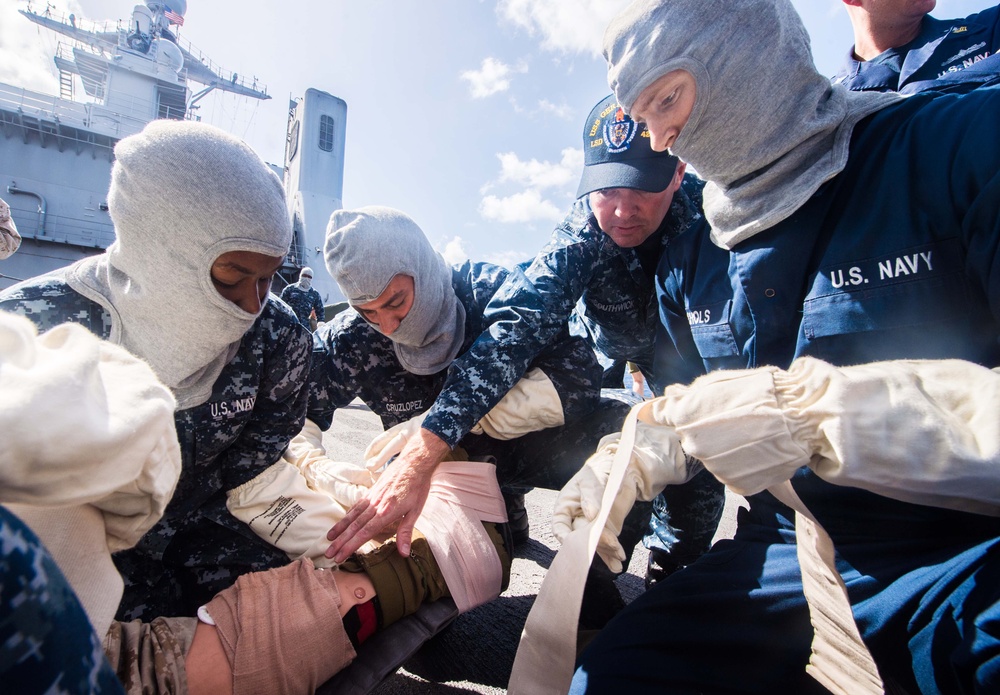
(386, 311)
(244, 277)
(665, 107)
(630, 216)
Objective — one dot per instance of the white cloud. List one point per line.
(564, 110)
(519, 208)
(491, 78)
(454, 251)
(508, 259)
(538, 174)
(25, 60)
(565, 26)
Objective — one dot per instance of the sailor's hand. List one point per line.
(655, 461)
(579, 502)
(397, 497)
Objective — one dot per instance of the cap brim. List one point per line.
(627, 175)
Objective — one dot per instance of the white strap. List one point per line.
(840, 661)
(547, 652)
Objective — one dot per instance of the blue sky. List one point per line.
(465, 114)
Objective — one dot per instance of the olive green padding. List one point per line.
(497, 538)
(403, 583)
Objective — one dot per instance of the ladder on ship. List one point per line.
(66, 85)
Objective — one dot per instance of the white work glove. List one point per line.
(730, 421)
(657, 460)
(532, 404)
(293, 503)
(920, 431)
(345, 482)
(391, 442)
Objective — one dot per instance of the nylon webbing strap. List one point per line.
(840, 661)
(546, 654)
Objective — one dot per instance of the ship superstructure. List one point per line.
(56, 151)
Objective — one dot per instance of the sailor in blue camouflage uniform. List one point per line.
(304, 299)
(607, 259)
(46, 641)
(353, 359)
(413, 319)
(612, 270)
(901, 48)
(237, 363)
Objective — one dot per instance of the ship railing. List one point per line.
(296, 255)
(65, 50)
(107, 27)
(34, 223)
(42, 106)
(30, 110)
(226, 75)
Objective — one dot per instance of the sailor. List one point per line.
(304, 299)
(192, 301)
(612, 270)
(805, 262)
(899, 47)
(413, 318)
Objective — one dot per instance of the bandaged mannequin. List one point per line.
(89, 461)
(901, 489)
(201, 227)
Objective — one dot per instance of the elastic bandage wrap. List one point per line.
(464, 497)
(281, 629)
(456, 550)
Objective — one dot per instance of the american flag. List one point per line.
(173, 16)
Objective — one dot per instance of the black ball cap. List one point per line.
(616, 153)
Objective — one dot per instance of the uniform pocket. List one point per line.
(919, 286)
(711, 332)
(942, 299)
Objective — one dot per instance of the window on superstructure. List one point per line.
(326, 133)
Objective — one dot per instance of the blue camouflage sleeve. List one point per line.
(280, 407)
(522, 318)
(572, 367)
(48, 301)
(338, 360)
(318, 306)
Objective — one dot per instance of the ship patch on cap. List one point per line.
(618, 133)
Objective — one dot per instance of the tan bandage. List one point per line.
(463, 495)
(281, 629)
